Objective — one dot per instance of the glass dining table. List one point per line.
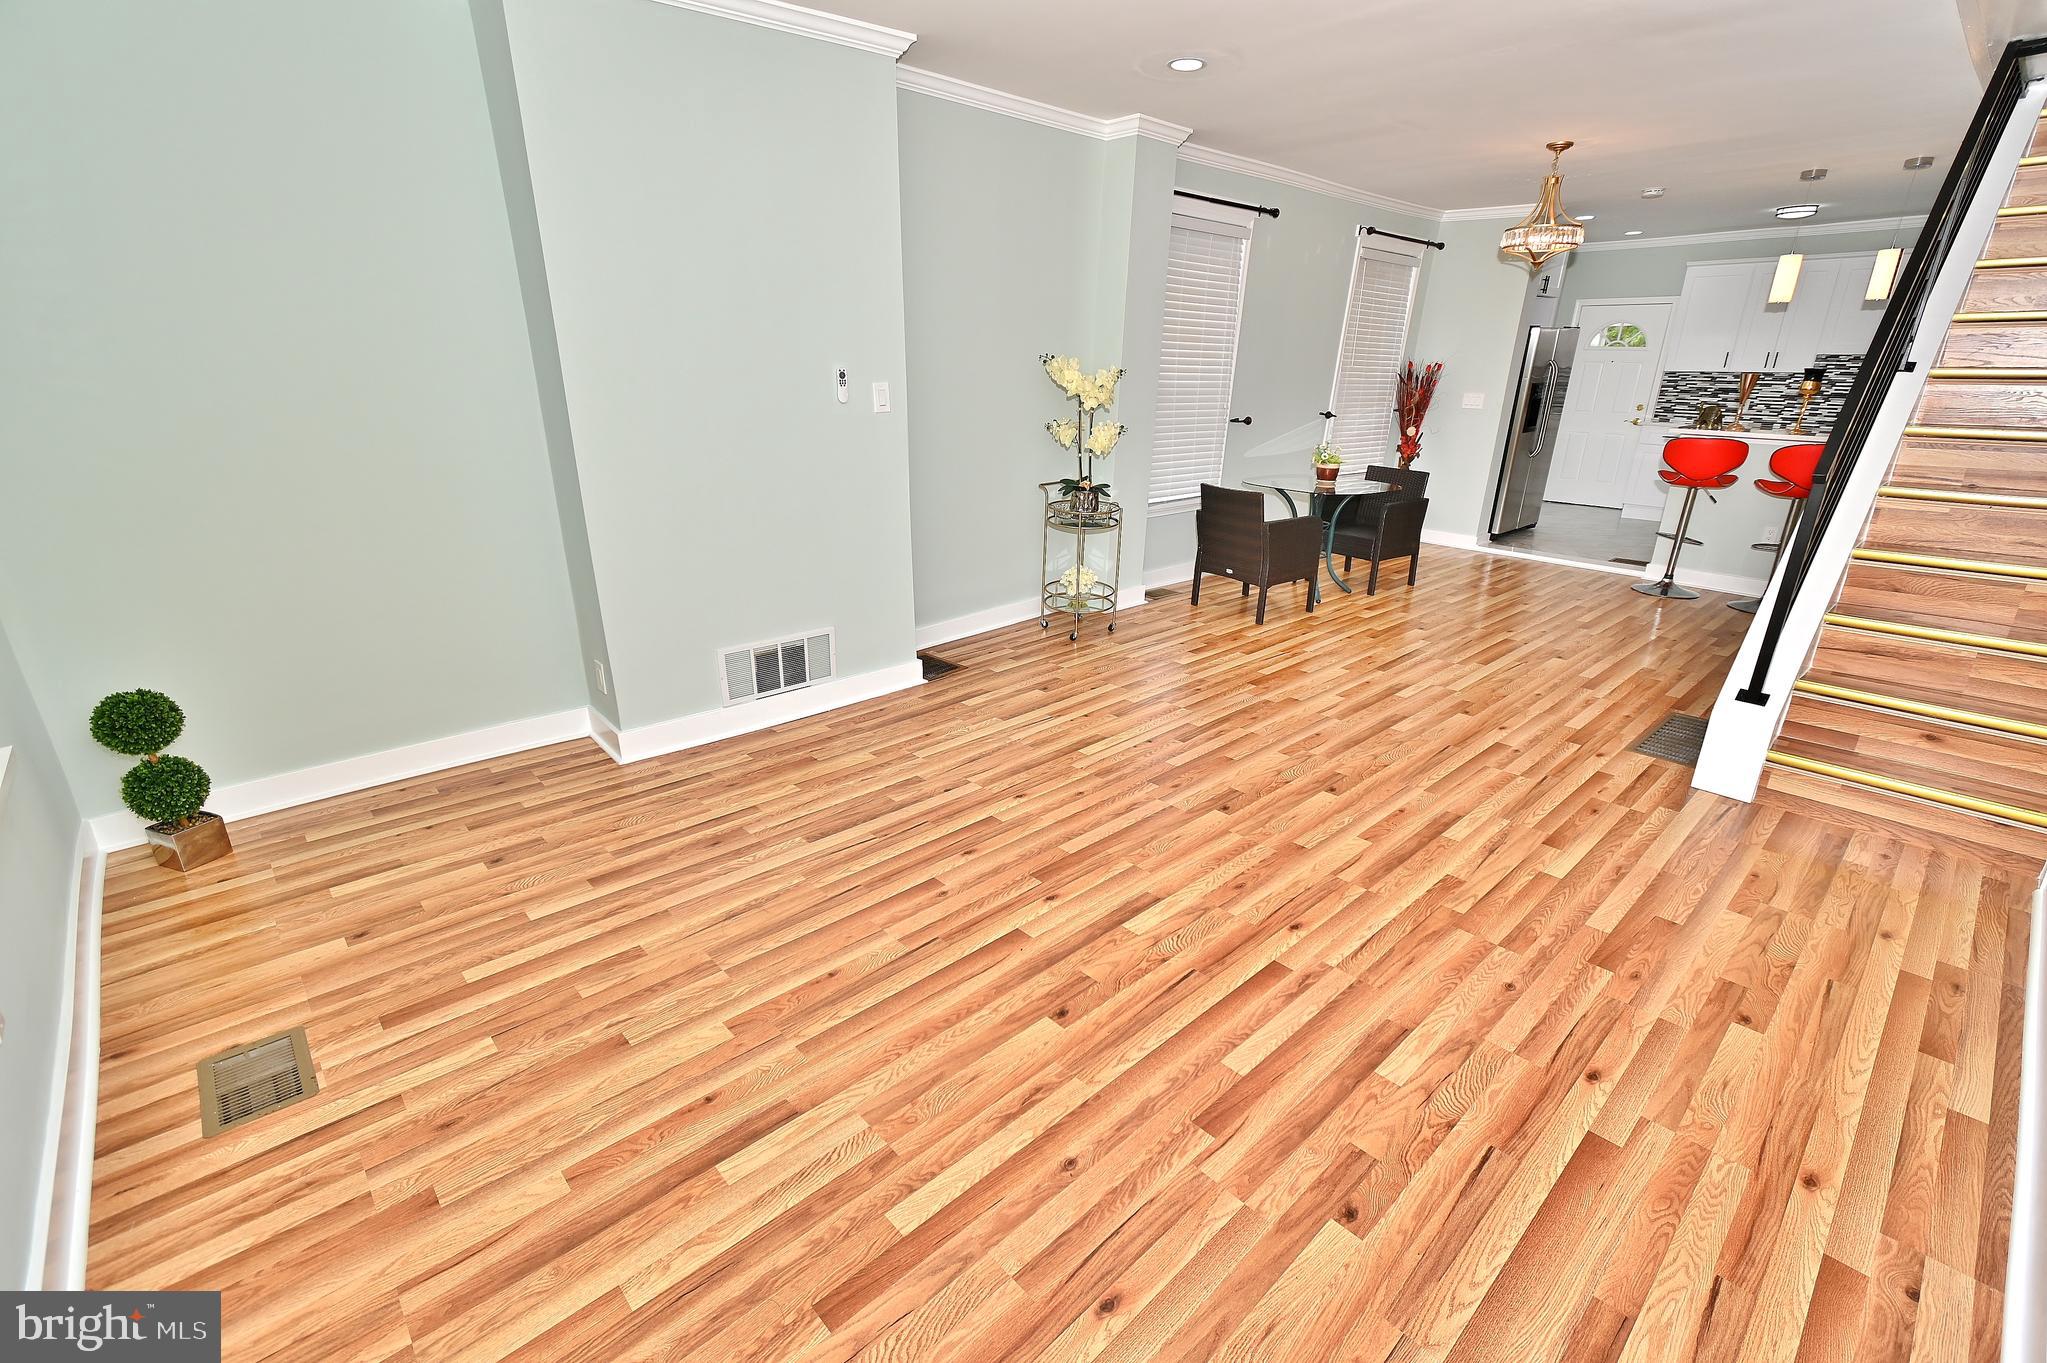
(1327, 503)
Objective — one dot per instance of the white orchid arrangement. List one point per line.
(1088, 432)
(1327, 455)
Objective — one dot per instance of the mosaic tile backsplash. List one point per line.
(1774, 403)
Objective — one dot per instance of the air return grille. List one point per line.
(1677, 739)
(764, 669)
(249, 1081)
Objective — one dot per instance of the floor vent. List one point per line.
(765, 669)
(1677, 739)
(249, 1081)
(936, 667)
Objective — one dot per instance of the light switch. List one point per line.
(1473, 401)
(881, 397)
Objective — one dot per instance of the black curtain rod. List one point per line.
(1226, 203)
(1402, 236)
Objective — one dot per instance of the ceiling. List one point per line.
(1448, 102)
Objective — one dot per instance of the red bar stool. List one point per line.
(1696, 463)
(1794, 466)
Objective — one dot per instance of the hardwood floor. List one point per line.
(1341, 989)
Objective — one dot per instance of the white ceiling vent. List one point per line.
(765, 669)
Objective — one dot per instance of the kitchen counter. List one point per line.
(1753, 435)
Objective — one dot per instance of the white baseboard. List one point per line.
(246, 799)
(1710, 582)
(690, 731)
(2025, 1268)
(979, 622)
(63, 1207)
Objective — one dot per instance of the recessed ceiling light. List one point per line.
(1653, 192)
(1186, 64)
(1632, 232)
(1816, 173)
(1587, 217)
(1918, 162)
(1798, 210)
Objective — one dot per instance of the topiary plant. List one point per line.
(160, 789)
(137, 723)
(168, 790)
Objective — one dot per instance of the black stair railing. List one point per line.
(1889, 352)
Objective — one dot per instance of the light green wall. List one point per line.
(501, 87)
(1136, 215)
(1474, 322)
(38, 837)
(1295, 289)
(270, 434)
(719, 210)
(1000, 222)
(1659, 271)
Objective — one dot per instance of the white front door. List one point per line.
(1620, 353)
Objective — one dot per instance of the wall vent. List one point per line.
(250, 1081)
(765, 669)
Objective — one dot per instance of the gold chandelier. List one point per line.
(1547, 230)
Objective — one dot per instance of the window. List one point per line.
(1205, 264)
(1622, 336)
(1368, 357)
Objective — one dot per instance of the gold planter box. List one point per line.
(204, 840)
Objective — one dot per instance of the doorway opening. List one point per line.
(1572, 477)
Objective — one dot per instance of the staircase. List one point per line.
(1929, 682)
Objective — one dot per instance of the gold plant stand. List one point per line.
(1079, 560)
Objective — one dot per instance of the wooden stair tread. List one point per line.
(2028, 187)
(2002, 290)
(2007, 685)
(2017, 237)
(1985, 766)
(1993, 534)
(1986, 466)
(2009, 608)
(1951, 830)
(1966, 402)
(2006, 344)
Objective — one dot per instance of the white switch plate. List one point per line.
(881, 397)
(603, 682)
(1474, 401)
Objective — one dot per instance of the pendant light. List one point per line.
(1883, 275)
(1547, 230)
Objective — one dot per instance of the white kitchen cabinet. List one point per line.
(1851, 321)
(1726, 320)
(1718, 299)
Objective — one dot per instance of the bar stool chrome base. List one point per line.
(1666, 588)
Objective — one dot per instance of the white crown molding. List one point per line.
(809, 23)
(1496, 211)
(1036, 111)
(1144, 125)
(1314, 184)
(1822, 229)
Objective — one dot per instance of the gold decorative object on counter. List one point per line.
(1808, 389)
(1710, 416)
(1749, 379)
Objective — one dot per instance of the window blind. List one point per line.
(1368, 358)
(1197, 355)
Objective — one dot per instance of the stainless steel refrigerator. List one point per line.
(1531, 438)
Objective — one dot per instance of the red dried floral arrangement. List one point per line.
(1416, 390)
